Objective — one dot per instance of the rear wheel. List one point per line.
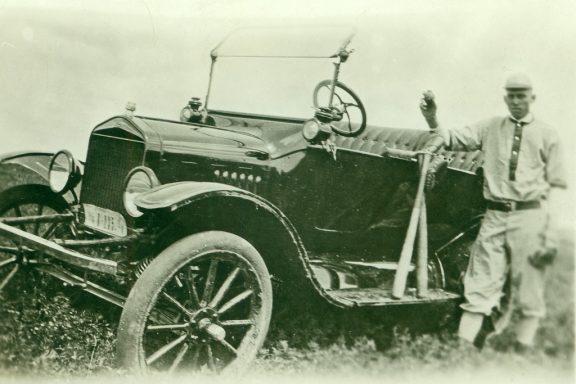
(203, 304)
(29, 200)
(454, 258)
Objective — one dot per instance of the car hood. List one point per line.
(178, 137)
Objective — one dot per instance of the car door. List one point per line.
(361, 190)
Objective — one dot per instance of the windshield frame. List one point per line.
(227, 44)
(341, 55)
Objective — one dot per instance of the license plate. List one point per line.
(104, 220)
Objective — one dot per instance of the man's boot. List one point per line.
(470, 326)
(486, 329)
(526, 329)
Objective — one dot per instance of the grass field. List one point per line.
(53, 334)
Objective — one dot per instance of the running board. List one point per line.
(50, 248)
(372, 265)
(381, 297)
(379, 265)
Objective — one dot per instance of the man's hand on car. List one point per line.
(434, 143)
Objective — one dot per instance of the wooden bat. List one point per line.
(422, 262)
(401, 274)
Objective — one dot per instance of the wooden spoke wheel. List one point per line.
(20, 202)
(204, 304)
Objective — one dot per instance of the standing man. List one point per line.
(522, 171)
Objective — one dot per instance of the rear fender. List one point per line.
(192, 207)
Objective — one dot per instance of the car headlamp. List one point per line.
(189, 115)
(138, 181)
(314, 131)
(63, 172)
(192, 111)
(186, 114)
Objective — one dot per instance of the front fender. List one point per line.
(177, 195)
(24, 168)
(179, 198)
(35, 162)
(21, 168)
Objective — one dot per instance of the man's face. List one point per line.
(518, 102)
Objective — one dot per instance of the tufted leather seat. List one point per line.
(377, 139)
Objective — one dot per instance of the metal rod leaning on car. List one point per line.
(401, 275)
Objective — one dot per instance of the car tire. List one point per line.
(203, 304)
(26, 200)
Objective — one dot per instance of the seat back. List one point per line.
(377, 139)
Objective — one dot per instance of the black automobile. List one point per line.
(194, 226)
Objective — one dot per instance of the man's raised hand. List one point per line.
(428, 108)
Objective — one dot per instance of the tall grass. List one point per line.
(47, 330)
(409, 352)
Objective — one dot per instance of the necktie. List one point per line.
(515, 148)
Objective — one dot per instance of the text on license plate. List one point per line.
(104, 220)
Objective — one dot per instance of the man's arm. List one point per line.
(467, 138)
(429, 108)
(548, 250)
(550, 236)
(556, 177)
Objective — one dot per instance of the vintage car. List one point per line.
(197, 226)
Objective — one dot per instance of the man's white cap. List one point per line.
(518, 81)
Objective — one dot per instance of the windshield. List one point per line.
(278, 88)
(284, 82)
(295, 42)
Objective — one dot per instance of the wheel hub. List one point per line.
(212, 329)
(206, 321)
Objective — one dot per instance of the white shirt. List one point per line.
(522, 160)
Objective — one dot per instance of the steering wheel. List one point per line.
(346, 103)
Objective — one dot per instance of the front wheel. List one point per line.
(203, 304)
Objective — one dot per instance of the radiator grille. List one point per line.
(108, 162)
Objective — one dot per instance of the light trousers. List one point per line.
(504, 244)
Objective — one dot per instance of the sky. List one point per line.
(66, 66)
